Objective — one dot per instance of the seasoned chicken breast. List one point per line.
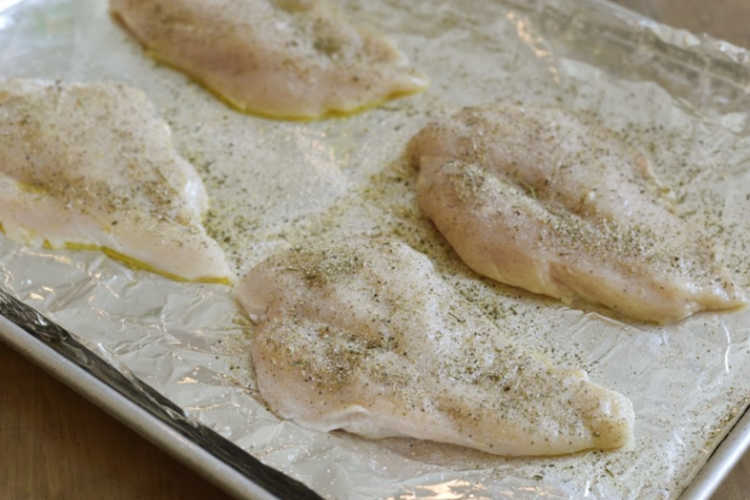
(366, 337)
(280, 58)
(92, 166)
(544, 200)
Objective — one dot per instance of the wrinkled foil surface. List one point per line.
(680, 98)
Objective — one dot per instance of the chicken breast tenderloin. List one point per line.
(544, 200)
(366, 337)
(92, 166)
(280, 58)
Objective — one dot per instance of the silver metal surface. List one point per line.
(721, 462)
(131, 414)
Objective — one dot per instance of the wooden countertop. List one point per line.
(54, 444)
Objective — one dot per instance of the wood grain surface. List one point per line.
(56, 445)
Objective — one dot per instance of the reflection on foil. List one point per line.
(450, 490)
(728, 348)
(5, 21)
(535, 42)
(318, 154)
(7, 4)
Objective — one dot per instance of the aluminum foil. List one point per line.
(679, 98)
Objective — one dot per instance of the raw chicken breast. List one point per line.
(92, 166)
(544, 200)
(279, 58)
(367, 338)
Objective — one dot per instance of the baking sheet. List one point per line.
(140, 406)
(678, 97)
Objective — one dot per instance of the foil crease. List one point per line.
(682, 98)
